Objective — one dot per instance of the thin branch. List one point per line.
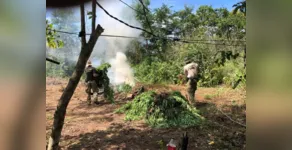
(144, 6)
(144, 10)
(53, 61)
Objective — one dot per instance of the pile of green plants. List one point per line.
(103, 81)
(162, 110)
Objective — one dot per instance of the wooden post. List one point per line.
(184, 141)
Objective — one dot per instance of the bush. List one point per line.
(162, 110)
(124, 88)
(54, 70)
(233, 71)
(227, 74)
(157, 72)
(62, 70)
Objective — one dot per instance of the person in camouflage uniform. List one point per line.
(191, 71)
(91, 84)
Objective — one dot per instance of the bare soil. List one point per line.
(98, 127)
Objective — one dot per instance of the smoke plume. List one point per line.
(111, 49)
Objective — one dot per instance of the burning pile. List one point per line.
(162, 110)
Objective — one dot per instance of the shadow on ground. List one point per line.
(217, 133)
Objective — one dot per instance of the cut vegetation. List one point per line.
(162, 110)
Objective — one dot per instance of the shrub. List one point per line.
(157, 72)
(124, 88)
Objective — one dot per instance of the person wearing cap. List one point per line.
(91, 73)
(191, 71)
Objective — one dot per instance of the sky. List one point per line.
(179, 4)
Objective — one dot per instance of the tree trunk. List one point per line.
(60, 112)
(93, 15)
(244, 57)
(83, 33)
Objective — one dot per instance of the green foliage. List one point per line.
(228, 74)
(208, 97)
(136, 52)
(124, 88)
(157, 72)
(162, 110)
(240, 6)
(161, 144)
(65, 20)
(212, 75)
(233, 72)
(51, 37)
(104, 67)
(89, 14)
(160, 61)
(104, 81)
(64, 70)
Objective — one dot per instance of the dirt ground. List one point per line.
(98, 127)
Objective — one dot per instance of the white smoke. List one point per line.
(112, 49)
(121, 71)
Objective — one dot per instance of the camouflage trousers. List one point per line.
(92, 89)
(191, 89)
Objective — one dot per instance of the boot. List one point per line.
(88, 100)
(96, 100)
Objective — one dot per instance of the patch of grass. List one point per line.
(217, 94)
(234, 103)
(49, 116)
(161, 144)
(208, 97)
(69, 119)
(162, 110)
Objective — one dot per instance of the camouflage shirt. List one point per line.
(90, 72)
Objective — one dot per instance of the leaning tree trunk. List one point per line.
(86, 50)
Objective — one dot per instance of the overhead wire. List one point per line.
(123, 21)
(182, 40)
(129, 6)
